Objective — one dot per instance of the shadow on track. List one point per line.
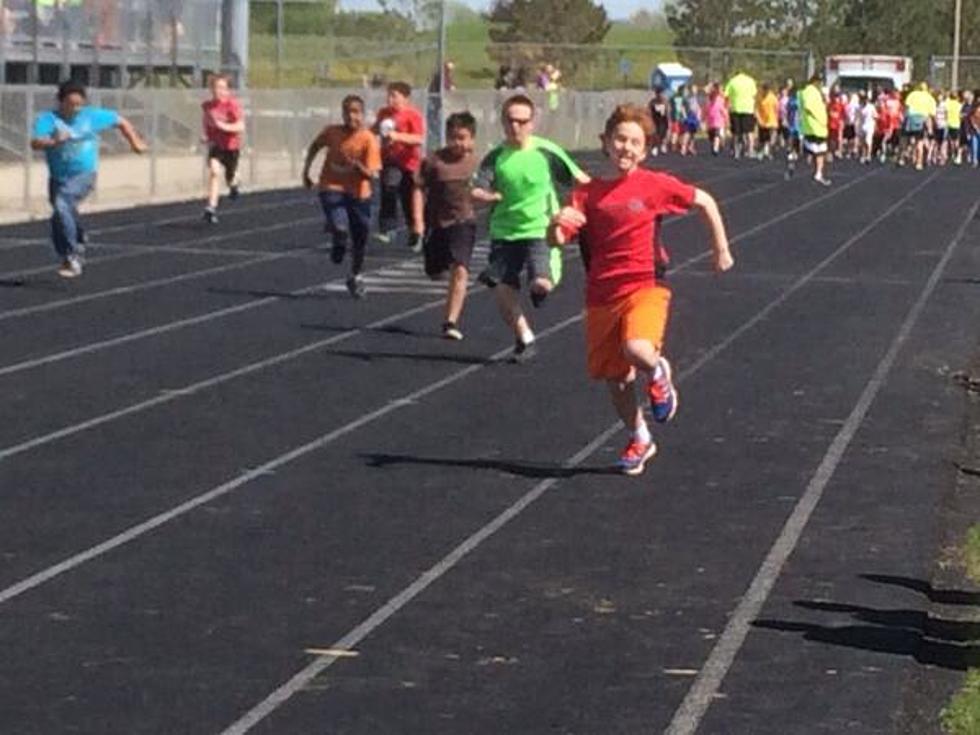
(941, 597)
(926, 638)
(534, 470)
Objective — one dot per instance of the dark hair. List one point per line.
(350, 100)
(516, 99)
(816, 79)
(403, 88)
(71, 87)
(461, 121)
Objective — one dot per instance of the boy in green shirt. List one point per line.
(518, 178)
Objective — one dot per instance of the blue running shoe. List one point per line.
(663, 394)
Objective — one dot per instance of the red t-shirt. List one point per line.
(622, 229)
(835, 114)
(227, 110)
(404, 156)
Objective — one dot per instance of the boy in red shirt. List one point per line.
(402, 131)
(616, 217)
(223, 124)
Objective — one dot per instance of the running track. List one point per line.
(235, 501)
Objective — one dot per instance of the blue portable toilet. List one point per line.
(670, 75)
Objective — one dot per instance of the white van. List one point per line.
(862, 73)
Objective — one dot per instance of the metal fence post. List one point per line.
(154, 142)
(28, 154)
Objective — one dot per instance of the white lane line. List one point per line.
(270, 466)
(133, 288)
(20, 242)
(405, 267)
(352, 638)
(152, 523)
(160, 399)
(688, 716)
(52, 267)
(201, 240)
(334, 285)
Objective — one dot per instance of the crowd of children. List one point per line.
(915, 126)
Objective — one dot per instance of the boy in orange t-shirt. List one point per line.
(617, 218)
(352, 159)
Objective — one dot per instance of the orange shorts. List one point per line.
(639, 315)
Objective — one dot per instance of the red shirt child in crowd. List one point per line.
(617, 219)
(835, 122)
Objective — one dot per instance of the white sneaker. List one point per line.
(821, 180)
(71, 267)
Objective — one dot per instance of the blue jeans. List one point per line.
(348, 219)
(975, 146)
(64, 196)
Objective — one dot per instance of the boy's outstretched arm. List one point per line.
(719, 238)
(311, 152)
(136, 143)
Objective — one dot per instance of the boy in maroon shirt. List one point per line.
(617, 218)
(402, 131)
(450, 222)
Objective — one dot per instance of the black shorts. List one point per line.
(509, 258)
(743, 123)
(228, 160)
(448, 246)
(849, 132)
(766, 135)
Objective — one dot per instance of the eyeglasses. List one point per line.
(518, 121)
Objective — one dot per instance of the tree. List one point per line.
(522, 32)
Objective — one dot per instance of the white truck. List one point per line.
(863, 72)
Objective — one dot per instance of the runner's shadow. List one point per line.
(534, 470)
(390, 329)
(429, 357)
(256, 293)
(942, 597)
(929, 640)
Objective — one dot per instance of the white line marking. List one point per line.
(189, 217)
(272, 465)
(302, 678)
(160, 399)
(688, 716)
(200, 240)
(133, 288)
(349, 641)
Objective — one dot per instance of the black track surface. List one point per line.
(588, 612)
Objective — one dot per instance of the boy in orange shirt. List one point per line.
(617, 217)
(353, 158)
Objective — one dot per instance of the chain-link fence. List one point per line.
(941, 72)
(279, 126)
(295, 43)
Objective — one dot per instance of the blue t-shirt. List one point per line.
(80, 153)
(793, 114)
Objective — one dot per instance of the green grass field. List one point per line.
(317, 60)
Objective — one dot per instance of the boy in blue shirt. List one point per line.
(69, 137)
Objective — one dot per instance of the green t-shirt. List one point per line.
(813, 112)
(741, 92)
(525, 178)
